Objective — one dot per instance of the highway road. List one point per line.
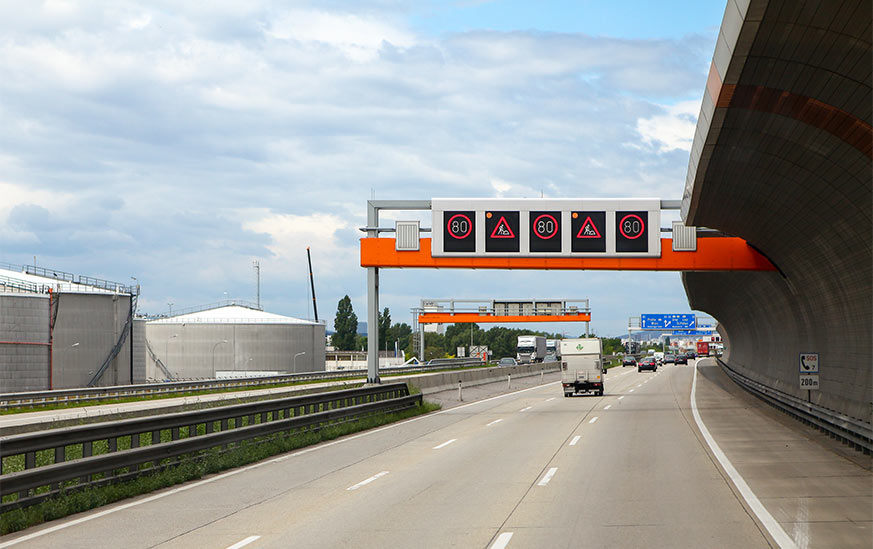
(530, 468)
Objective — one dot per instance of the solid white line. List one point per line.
(575, 440)
(593, 419)
(502, 541)
(368, 481)
(621, 397)
(548, 476)
(525, 409)
(244, 542)
(493, 422)
(444, 444)
(233, 472)
(607, 407)
(752, 500)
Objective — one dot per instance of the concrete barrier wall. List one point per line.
(444, 381)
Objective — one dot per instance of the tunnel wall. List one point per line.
(782, 158)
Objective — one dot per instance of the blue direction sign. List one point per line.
(692, 332)
(668, 322)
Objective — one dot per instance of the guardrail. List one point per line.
(850, 430)
(43, 398)
(48, 469)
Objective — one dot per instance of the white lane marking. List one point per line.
(444, 444)
(548, 476)
(502, 541)
(244, 542)
(640, 385)
(631, 391)
(550, 399)
(752, 500)
(593, 419)
(494, 422)
(368, 481)
(525, 409)
(621, 397)
(575, 440)
(233, 472)
(607, 407)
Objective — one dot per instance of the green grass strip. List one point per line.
(209, 463)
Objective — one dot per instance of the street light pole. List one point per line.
(295, 360)
(213, 355)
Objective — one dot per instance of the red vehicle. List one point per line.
(702, 348)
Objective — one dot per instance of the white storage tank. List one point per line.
(232, 339)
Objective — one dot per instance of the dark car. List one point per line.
(628, 361)
(507, 361)
(648, 363)
(669, 358)
(691, 354)
(680, 359)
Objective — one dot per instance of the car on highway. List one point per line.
(628, 361)
(691, 354)
(507, 361)
(669, 358)
(647, 363)
(680, 359)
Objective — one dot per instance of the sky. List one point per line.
(179, 142)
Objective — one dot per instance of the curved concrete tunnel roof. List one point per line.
(782, 158)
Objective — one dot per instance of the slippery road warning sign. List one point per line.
(501, 230)
(589, 230)
(545, 231)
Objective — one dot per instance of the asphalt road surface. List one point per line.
(530, 468)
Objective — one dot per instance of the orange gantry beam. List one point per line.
(713, 254)
(467, 318)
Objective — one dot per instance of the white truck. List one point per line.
(530, 349)
(582, 366)
(553, 349)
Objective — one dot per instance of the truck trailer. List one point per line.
(582, 366)
(530, 349)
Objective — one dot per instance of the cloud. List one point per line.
(672, 130)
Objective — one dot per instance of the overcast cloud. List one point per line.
(177, 143)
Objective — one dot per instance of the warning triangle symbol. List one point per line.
(502, 230)
(588, 230)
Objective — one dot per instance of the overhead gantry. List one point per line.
(544, 234)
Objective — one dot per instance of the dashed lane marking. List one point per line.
(244, 542)
(444, 444)
(593, 419)
(575, 440)
(368, 481)
(502, 541)
(548, 476)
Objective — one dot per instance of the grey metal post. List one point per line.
(421, 342)
(372, 302)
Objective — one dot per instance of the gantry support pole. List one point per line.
(372, 302)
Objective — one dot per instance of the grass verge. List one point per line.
(205, 464)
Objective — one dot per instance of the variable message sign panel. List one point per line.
(544, 227)
(668, 322)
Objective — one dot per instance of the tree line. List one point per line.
(500, 340)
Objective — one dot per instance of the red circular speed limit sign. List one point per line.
(631, 226)
(459, 226)
(545, 226)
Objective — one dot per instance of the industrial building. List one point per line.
(232, 339)
(59, 330)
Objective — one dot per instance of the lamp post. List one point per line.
(213, 355)
(167, 350)
(295, 360)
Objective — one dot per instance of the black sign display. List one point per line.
(589, 231)
(632, 231)
(545, 231)
(501, 231)
(459, 234)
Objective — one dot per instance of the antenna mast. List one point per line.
(312, 282)
(257, 267)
